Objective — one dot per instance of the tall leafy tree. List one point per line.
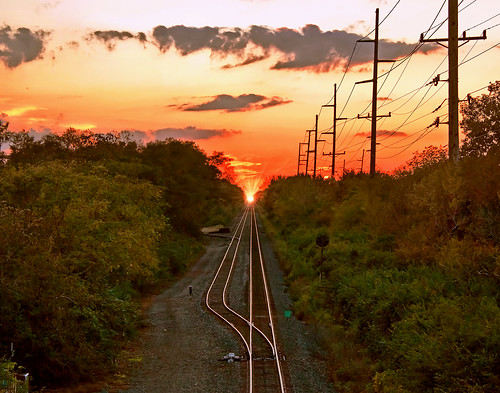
(481, 122)
(75, 242)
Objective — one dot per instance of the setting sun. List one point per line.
(250, 198)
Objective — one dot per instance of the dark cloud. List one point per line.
(249, 60)
(242, 103)
(227, 102)
(192, 133)
(274, 101)
(308, 48)
(72, 45)
(188, 133)
(385, 133)
(21, 46)
(110, 37)
(187, 40)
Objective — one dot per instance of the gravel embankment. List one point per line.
(183, 340)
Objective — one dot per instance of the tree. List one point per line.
(481, 122)
(76, 244)
(223, 164)
(427, 159)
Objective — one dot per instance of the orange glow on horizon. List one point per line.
(251, 185)
(250, 198)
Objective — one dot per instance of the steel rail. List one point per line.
(239, 227)
(249, 344)
(226, 285)
(268, 300)
(250, 302)
(228, 279)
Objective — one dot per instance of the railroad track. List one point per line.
(250, 319)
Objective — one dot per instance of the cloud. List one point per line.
(188, 133)
(309, 48)
(385, 133)
(21, 110)
(193, 133)
(274, 101)
(48, 5)
(110, 37)
(187, 40)
(72, 45)
(37, 135)
(242, 103)
(244, 172)
(237, 163)
(21, 46)
(40, 133)
(80, 126)
(249, 60)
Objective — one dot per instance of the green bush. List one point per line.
(9, 380)
(410, 276)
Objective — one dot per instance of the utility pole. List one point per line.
(334, 129)
(301, 155)
(315, 130)
(308, 150)
(453, 136)
(374, 116)
(362, 160)
(315, 145)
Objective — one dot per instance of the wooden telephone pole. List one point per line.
(314, 150)
(301, 156)
(308, 150)
(374, 116)
(334, 129)
(453, 38)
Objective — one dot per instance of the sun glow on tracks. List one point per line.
(251, 188)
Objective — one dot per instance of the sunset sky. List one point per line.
(240, 76)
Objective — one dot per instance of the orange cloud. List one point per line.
(22, 110)
(80, 126)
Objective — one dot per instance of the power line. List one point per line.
(347, 136)
(498, 24)
(425, 131)
(467, 6)
(352, 55)
(482, 53)
(482, 23)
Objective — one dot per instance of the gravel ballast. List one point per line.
(183, 341)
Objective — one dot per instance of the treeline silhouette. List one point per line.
(89, 223)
